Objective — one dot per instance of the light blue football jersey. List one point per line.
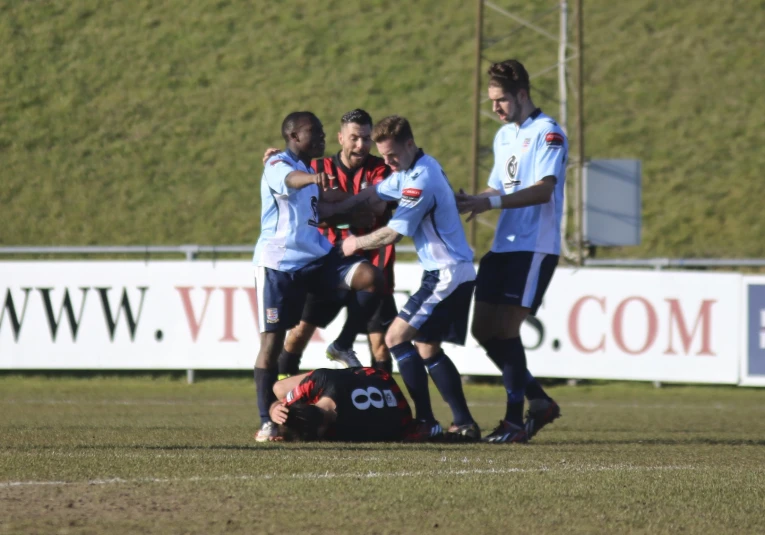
(289, 217)
(522, 157)
(427, 211)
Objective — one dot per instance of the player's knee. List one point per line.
(481, 332)
(367, 278)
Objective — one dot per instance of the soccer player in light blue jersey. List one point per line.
(526, 183)
(438, 311)
(292, 258)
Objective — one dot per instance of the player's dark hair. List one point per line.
(509, 75)
(392, 127)
(303, 422)
(357, 116)
(290, 122)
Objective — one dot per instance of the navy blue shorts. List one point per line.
(320, 310)
(439, 310)
(281, 295)
(517, 278)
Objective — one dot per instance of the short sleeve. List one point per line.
(277, 169)
(551, 155)
(390, 188)
(415, 203)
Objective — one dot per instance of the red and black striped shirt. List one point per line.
(369, 404)
(353, 181)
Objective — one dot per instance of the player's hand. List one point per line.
(461, 196)
(349, 246)
(279, 413)
(270, 151)
(323, 180)
(473, 206)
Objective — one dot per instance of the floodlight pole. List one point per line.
(578, 208)
(476, 113)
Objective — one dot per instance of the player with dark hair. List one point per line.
(526, 184)
(351, 170)
(291, 257)
(349, 405)
(438, 311)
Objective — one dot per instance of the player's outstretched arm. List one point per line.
(300, 179)
(539, 193)
(364, 198)
(375, 240)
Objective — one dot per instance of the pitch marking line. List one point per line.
(354, 475)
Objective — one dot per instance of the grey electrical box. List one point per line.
(612, 202)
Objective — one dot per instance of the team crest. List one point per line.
(272, 315)
(526, 143)
(511, 167)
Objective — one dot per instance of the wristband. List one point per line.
(495, 201)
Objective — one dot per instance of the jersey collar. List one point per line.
(340, 165)
(420, 154)
(533, 115)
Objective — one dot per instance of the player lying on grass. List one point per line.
(348, 405)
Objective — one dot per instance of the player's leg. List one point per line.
(412, 368)
(280, 298)
(448, 322)
(507, 288)
(294, 345)
(381, 359)
(376, 328)
(319, 311)
(351, 273)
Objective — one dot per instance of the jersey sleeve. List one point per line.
(277, 169)
(552, 151)
(389, 189)
(415, 202)
(309, 390)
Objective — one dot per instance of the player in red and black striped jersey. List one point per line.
(353, 169)
(349, 405)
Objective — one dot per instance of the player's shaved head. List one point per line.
(509, 75)
(291, 122)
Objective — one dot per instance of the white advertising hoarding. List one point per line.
(594, 323)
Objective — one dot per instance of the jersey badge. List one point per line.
(410, 197)
(554, 140)
(272, 315)
(526, 143)
(511, 167)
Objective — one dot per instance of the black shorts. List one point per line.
(322, 309)
(516, 278)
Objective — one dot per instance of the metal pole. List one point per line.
(562, 86)
(579, 132)
(476, 113)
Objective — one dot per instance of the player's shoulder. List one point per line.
(505, 133)
(425, 168)
(280, 158)
(544, 124)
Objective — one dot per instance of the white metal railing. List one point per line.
(190, 251)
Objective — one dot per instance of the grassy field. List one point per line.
(144, 122)
(154, 455)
